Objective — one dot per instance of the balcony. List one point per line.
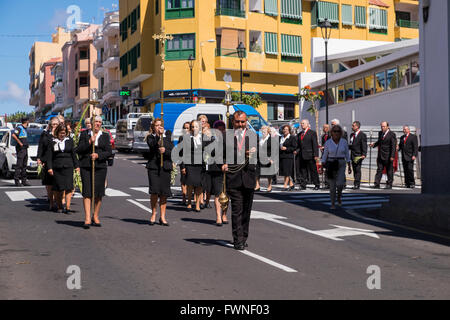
(99, 41)
(58, 85)
(113, 51)
(111, 61)
(111, 26)
(230, 12)
(407, 24)
(221, 52)
(111, 91)
(99, 71)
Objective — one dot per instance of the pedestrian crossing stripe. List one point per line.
(354, 199)
(20, 195)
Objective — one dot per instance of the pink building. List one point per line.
(79, 56)
(46, 97)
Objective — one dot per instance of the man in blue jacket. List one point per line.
(21, 136)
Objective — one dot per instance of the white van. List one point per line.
(140, 133)
(124, 136)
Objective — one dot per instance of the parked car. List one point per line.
(36, 125)
(176, 114)
(140, 133)
(124, 136)
(108, 126)
(8, 156)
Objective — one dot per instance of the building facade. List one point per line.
(46, 95)
(278, 36)
(106, 69)
(41, 52)
(79, 56)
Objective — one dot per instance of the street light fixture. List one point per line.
(326, 27)
(191, 61)
(241, 54)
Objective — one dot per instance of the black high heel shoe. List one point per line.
(165, 224)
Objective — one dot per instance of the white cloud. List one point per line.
(59, 18)
(14, 93)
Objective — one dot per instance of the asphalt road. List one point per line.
(298, 249)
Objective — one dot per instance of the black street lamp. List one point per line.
(325, 27)
(241, 54)
(191, 61)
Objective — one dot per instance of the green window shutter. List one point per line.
(291, 9)
(291, 46)
(328, 10)
(378, 19)
(271, 43)
(347, 15)
(360, 16)
(271, 7)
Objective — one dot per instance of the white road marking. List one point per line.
(356, 201)
(332, 234)
(141, 189)
(140, 205)
(20, 195)
(32, 187)
(260, 258)
(115, 193)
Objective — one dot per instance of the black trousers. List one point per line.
(389, 165)
(357, 172)
(21, 165)
(241, 208)
(308, 169)
(408, 167)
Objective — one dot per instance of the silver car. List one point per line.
(141, 131)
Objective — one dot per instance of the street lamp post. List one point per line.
(325, 27)
(241, 53)
(191, 62)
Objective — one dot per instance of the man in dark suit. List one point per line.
(308, 155)
(387, 146)
(409, 147)
(241, 179)
(358, 148)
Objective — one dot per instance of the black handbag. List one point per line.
(110, 160)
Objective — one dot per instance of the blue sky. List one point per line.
(31, 17)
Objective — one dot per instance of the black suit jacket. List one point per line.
(359, 146)
(44, 143)
(154, 162)
(291, 145)
(410, 148)
(247, 176)
(308, 147)
(58, 159)
(325, 138)
(387, 146)
(103, 150)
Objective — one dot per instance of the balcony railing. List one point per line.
(112, 86)
(408, 24)
(98, 64)
(221, 52)
(113, 52)
(230, 12)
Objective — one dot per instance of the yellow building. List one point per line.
(277, 35)
(40, 53)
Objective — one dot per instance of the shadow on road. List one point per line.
(75, 224)
(210, 242)
(204, 221)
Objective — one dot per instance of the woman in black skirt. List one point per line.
(288, 145)
(193, 169)
(103, 151)
(159, 177)
(186, 130)
(61, 161)
(265, 162)
(44, 144)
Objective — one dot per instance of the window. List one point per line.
(291, 11)
(415, 72)
(76, 61)
(76, 87)
(84, 80)
(271, 7)
(404, 75)
(380, 82)
(157, 47)
(138, 12)
(369, 85)
(349, 91)
(360, 17)
(359, 88)
(291, 48)
(178, 9)
(322, 10)
(84, 53)
(134, 21)
(271, 43)
(347, 15)
(156, 7)
(341, 94)
(133, 58)
(124, 29)
(138, 48)
(280, 111)
(392, 78)
(378, 20)
(124, 65)
(181, 47)
(256, 41)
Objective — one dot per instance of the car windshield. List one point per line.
(2, 134)
(108, 126)
(257, 122)
(134, 116)
(33, 138)
(143, 124)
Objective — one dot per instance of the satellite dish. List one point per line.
(227, 77)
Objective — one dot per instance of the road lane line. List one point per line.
(20, 195)
(115, 193)
(260, 258)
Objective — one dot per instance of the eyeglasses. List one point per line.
(238, 121)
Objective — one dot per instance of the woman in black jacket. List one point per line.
(44, 144)
(159, 177)
(103, 151)
(194, 169)
(186, 130)
(288, 145)
(61, 161)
